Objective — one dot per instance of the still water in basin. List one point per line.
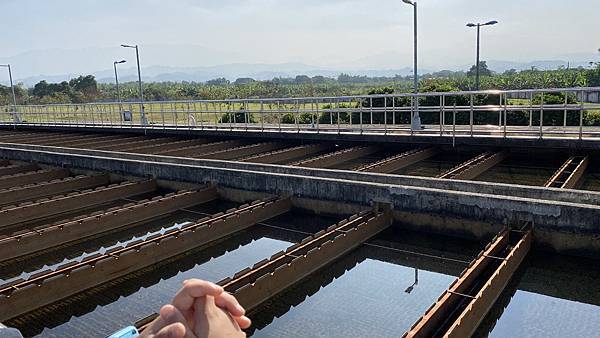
(374, 298)
(126, 310)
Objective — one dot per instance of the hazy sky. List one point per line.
(332, 33)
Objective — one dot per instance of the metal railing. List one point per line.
(534, 113)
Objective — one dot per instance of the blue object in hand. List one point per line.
(128, 332)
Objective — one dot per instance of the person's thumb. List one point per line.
(175, 330)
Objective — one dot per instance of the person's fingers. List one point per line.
(171, 315)
(228, 302)
(193, 289)
(175, 330)
(243, 322)
(201, 315)
(168, 317)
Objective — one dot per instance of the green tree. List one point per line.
(218, 82)
(483, 70)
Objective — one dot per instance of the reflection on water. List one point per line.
(373, 299)
(550, 296)
(108, 318)
(535, 315)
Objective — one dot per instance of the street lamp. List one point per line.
(416, 119)
(137, 55)
(12, 87)
(117, 81)
(478, 25)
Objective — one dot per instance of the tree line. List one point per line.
(86, 89)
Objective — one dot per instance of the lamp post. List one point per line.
(137, 55)
(14, 97)
(416, 119)
(12, 87)
(117, 82)
(479, 25)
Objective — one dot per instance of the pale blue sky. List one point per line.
(329, 33)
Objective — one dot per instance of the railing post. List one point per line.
(351, 110)
(385, 115)
(530, 109)
(581, 116)
(162, 114)
(262, 116)
(297, 116)
(201, 113)
(454, 126)
(442, 115)
(505, 113)
(173, 112)
(371, 110)
(231, 111)
(92, 115)
(247, 115)
(317, 103)
(312, 115)
(337, 109)
(279, 115)
(216, 115)
(542, 116)
(500, 111)
(394, 112)
(412, 113)
(565, 114)
(361, 117)
(471, 120)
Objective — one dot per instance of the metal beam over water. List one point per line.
(41, 175)
(474, 167)
(61, 233)
(43, 288)
(340, 156)
(475, 296)
(53, 187)
(284, 155)
(569, 174)
(243, 151)
(198, 150)
(15, 214)
(397, 162)
(12, 169)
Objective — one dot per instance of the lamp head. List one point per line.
(128, 46)
(410, 2)
(471, 25)
(122, 61)
(489, 23)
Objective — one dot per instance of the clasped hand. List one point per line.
(200, 309)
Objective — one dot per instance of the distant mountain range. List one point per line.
(57, 65)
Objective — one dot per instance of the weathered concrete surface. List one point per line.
(511, 190)
(554, 216)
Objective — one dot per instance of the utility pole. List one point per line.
(416, 119)
(137, 55)
(479, 25)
